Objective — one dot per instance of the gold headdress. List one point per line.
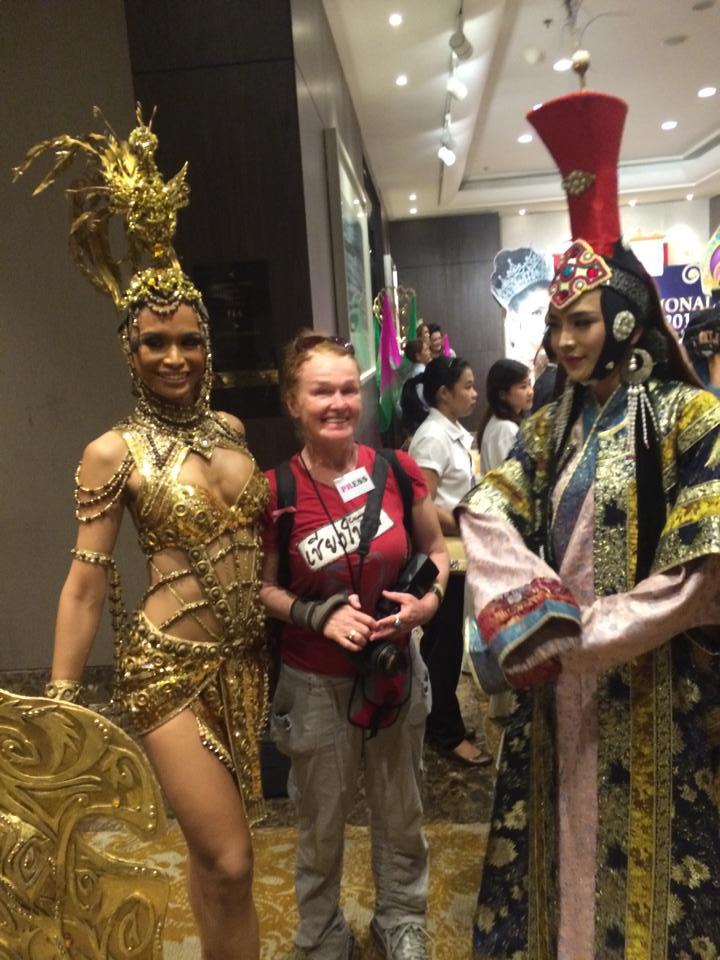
(121, 179)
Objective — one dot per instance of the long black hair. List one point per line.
(502, 376)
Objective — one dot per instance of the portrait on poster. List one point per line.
(519, 283)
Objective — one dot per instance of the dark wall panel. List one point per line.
(244, 172)
(448, 261)
(177, 34)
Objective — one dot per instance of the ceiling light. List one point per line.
(401, 80)
(533, 56)
(536, 106)
(703, 4)
(456, 88)
(413, 196)
(395, 19)
(413, 210)
(668, 125)
(690, 196)
(447, 155)
(565, 63)
(522, 211)
(675, 40)
(632, 202)
(525, 138)
(705, 92)
(460, 45)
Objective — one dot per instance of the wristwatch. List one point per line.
(438, 590)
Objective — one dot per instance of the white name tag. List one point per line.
(326, 544)
(354, 483)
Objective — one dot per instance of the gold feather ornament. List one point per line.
(121, 179)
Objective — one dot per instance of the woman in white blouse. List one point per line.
(441, 448)
(509, 394)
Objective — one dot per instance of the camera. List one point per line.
(385, 657)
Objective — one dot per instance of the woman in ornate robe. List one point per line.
(594, 562)
(605, 836)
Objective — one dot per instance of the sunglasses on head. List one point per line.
(307, 343)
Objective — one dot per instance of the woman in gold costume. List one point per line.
(190, 662)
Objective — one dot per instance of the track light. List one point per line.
(460, 45)
(447, 154)
(456, 88)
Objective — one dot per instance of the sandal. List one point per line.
(481, 760)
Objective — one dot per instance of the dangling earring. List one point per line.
(562, 414)
(635, 370)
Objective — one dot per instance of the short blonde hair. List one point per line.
(296, 355)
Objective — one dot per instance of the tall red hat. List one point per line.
(583, 132)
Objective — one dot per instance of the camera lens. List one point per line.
(389, 660)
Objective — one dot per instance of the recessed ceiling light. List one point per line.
(632, 202)
(522, 211)
(401, 80)
(705, 92)
(675, 40)
(690, 196)
(525, 138)
(395, 19)
(668, 124)
(536, 106)
(562, 65)
(413, 210)
(533, 55)
(413, 196)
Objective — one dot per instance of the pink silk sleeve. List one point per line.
(515, 594)
(497, 559)
(623, 626)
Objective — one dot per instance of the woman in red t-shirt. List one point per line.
(327, 609)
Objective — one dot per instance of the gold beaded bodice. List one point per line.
(203, 555)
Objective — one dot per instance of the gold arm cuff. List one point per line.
(93, 556)
(69, 691)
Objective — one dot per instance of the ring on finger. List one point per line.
(397, 623)
(351, 636)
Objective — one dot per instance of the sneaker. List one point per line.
(406, 941)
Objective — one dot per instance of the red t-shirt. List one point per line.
(318, 566)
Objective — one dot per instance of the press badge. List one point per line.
(353, 484)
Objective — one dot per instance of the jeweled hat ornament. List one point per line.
(121, 179)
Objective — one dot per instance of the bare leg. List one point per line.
(209, 809)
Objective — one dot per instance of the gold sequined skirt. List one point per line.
(224, 684)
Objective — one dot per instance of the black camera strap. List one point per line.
(373, 506)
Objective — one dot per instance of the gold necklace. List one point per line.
(166, 426)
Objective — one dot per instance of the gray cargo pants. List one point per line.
(309, 724)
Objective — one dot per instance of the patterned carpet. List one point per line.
(456, 852)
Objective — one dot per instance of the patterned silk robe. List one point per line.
(605, 835)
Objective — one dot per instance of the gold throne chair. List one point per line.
(62, 767)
